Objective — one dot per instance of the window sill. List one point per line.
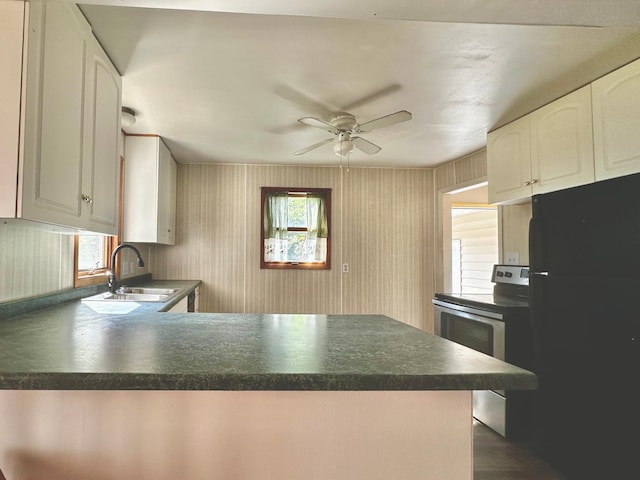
(295, 266)
(99, 276)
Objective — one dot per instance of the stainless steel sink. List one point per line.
(135, 294)
(136, 297)
(146, 291)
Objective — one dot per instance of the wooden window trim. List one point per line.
(84, 278)
(295, 265)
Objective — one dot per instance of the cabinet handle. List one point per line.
(87, 198)
(534, 181)
(526, 184)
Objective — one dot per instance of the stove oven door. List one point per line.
(478, 329)
(483, 331)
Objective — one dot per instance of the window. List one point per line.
(295, 228)
(92, 254)
(474, 249)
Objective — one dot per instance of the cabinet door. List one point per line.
(509, 162)
(149, 191)
(616, 122)
(140, 222)
(53, 148)
(196, 301)
(101, 174)
(562, 143)
(11, 39)
(167, 171)
(181, 306)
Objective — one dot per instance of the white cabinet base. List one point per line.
(181, 307)
(240, 435)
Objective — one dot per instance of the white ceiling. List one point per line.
(228, 87)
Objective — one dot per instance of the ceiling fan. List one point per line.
(345, 128)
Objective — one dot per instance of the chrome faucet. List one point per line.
(112, 266)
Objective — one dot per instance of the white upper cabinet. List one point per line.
(509, 161)
(101, 172)
(149, 191)
(11, 38)
(53, 150)
(549, 149)
(167, 178)
(68, 159)
(616, 122)
(562, 143)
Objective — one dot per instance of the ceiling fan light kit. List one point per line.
(343, 125)
(343, 148)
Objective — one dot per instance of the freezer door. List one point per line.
(588, 230)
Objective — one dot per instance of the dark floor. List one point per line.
(495, 458)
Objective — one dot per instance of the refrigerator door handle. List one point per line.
(532, 251)
(536, 255)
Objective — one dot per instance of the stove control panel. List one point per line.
(511, 274)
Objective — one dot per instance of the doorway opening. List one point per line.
(470, 238)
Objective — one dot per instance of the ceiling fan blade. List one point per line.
(303, 101)
(316, 122)
(370, 97)
(401, 116)
(311, 147)
(365, 145)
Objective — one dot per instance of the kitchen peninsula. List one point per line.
(242, 396)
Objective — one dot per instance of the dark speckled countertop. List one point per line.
(72, 346)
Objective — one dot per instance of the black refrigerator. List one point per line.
(584, 247)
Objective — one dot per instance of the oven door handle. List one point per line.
(483, 314)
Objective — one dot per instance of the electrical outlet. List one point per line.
(512, 258)
(345, 268)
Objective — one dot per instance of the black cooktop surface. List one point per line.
(489, 301)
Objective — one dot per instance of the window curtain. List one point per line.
(276, 239)
(318, 227)
(276, 243)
